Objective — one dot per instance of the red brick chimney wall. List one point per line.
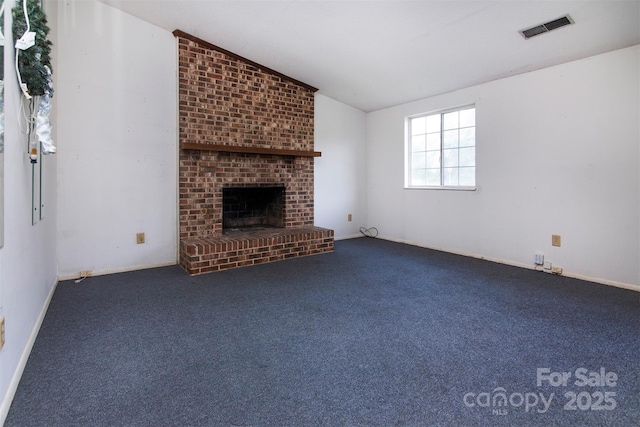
(242, 125)
(227, 100)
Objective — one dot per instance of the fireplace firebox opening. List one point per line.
(250, 208)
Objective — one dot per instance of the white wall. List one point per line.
(340, 174)
(116, 139)
(28, 257)
(557, 153)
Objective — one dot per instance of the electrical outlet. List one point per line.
(556, 270)
(83, 275)
(539, 259)
(1, 332)
(556, 240)
(139, 238)
(349, 217)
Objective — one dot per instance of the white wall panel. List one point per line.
(557, 153)
(28, 257)
(340, 174)
(117, 141)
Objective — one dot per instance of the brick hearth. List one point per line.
(242, 125)
(240, 249)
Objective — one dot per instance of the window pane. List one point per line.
(418, 160)
(433, 141)
(418, 125)
(433, 177)
(433, 159)
(418, 143)
(450, 138)
(468, 117)
(450, 120)
(467, 137)
(468, 156)
(419, 177)
(450, 176)
(467, 176)
(450, 157)
(433, 123)
(442, 149)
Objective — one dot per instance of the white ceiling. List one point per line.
(376, 54)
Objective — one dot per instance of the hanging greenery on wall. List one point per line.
(34, 62)
(2, 45)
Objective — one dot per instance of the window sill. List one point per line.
(443, 187)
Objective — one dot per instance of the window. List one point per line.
(441, 149)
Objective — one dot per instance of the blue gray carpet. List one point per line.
(375, 334)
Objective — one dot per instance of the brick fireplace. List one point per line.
(246, 162)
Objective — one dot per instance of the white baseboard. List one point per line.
(117, 270)
(350, 236)
(607, 282)
(17, 374)
(565, 273)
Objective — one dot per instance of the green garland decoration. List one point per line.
(32, 61)
(2, 49)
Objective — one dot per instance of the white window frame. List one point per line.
(408, 152)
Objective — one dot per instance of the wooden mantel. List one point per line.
(248, 150)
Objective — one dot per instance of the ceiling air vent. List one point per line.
(545, 28)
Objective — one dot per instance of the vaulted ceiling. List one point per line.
(376, 54)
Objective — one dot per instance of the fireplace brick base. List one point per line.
(239, 249)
